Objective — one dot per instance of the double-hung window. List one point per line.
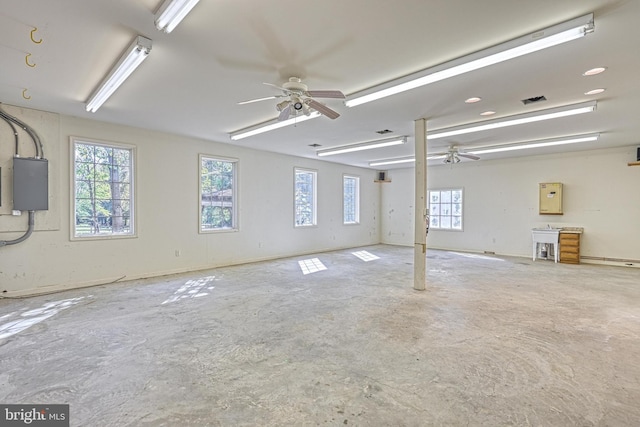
(351, 199)
(445, 209)
(218, 194)
(305, 197)
(102, 189)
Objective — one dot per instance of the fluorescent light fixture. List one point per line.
(536, 116)
(502, 147)
(129, 61)
(537, 144)
(398, 140)
(271, 125)
(172, 12)
(397, 160)
(552, 36)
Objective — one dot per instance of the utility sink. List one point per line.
(547, 236)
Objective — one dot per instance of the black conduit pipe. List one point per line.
(34, 136)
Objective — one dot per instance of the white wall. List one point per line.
(601, 194)
(167, 210)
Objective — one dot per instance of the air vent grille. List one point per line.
(534, 99)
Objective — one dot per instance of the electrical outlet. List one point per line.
(178, 253)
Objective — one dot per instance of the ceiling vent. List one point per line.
(534, 99)
(384, 131)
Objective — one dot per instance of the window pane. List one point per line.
(351, 214)
(446, 209)
(217, 194)
(102, 201)
(305, 213)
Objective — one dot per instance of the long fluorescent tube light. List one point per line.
(519, 119)
(172, 12)
(129, 61)
(502, 147)
(537, 144)
(270, 125)
(552, 36)
(388, 142)
(393, 161)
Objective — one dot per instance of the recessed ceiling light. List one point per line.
(487, 113)
(473, 99)
(594, 71)
(594, 91)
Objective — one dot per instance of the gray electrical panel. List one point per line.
(30, 184)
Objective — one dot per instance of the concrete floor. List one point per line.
(492, 342)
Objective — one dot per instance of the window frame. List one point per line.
(314, 209)
(133, 233)
(462, 209)
(235, 223)
(356, 202)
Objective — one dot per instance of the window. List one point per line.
(351, 199)
(218, 188)
(305, 197)
(445, 209)
(103, 189)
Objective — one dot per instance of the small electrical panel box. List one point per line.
(30, 184)
(551, 198)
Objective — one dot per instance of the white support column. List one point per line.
(420, 246)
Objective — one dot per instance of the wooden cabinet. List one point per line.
(570, 248)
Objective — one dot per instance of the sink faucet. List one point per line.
(548, 227)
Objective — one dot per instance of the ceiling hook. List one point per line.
(24, 91)
(26, 59)
(34, 40)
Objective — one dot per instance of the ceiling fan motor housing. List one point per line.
(295, 85)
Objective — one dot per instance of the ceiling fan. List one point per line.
(453, 155)
(300, 100)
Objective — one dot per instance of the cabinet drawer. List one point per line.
(569, 250)
(573, 259)
(569, 237)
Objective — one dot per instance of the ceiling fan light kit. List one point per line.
(172, 12)
(548, 37)
(128, 62)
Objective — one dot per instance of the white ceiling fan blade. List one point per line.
(326, 94)
(468, 156)
(257, 100)
(276, 86)
(323, 109)
(284, 114)
(444, 153)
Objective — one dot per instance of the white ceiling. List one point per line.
(225, 49)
